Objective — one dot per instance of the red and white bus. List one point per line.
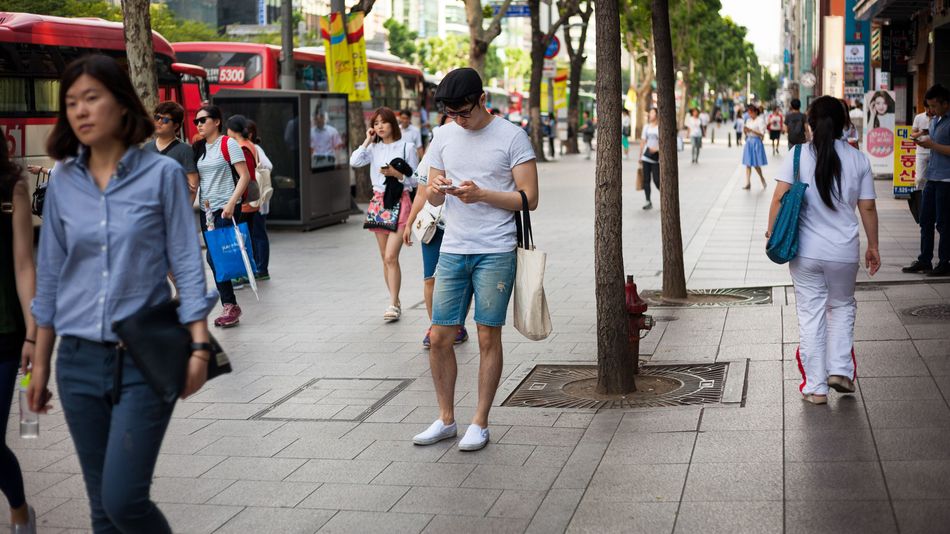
(34, 51)
(393, 82)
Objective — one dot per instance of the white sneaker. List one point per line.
(436, 432)
(475, 438)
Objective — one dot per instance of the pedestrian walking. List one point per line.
(625, 130)
(694, 126)
(169, 117)
(389, 209)
(587, 131)
(259, 239)
(753, 155)
(794, 124)
(920, 127)
(238, 128)
(825, 269)
(221, 193)
(775, 123)
(704, 121)
(935, 202)
(480, 195)
(17, 328)
(410, 133)
(115, 221)
(650, 155)
(738, 125)
(432, 249)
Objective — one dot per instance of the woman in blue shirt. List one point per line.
(117, 219)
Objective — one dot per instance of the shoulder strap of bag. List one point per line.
(797, 161)
(170, 146)
(224, 149)
(523, 224)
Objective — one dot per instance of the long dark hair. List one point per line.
(200, 146)
(9, 170)
(826, 117)
(137, 124)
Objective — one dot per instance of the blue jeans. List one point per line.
(11, 478)
(489, 278)
(260, 243)
(430, 254)
(117, 444)
(935, 213)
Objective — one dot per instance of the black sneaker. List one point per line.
(942, 269)
(917, 267)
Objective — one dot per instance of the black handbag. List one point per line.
(160, 346)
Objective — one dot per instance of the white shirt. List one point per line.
(379, 154)
(823, 233)
(922, 122)
(757, 125)
(411, 134)
(650, 135)
(695, 126)
(485, 157)
(704, 118)
(325, 141)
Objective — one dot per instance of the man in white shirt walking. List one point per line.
(410, 133)
(478, 165)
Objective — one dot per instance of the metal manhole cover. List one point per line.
(701, 298)
(935, 311)
(562, 386)
(334, 399)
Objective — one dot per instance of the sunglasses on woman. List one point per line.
(161, 119)
(201, 120)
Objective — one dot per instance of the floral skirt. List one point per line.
(376, 207)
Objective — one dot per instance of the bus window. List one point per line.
(46, 95)
(13, 95)
(305, 76)
(225, 68)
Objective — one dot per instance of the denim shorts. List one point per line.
(489, 278)
(430, 254)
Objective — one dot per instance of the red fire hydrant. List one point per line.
(636, 317)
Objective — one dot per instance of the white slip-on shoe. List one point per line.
(436, 432)
(475, 438)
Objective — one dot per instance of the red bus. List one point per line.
(393, 82)
(34, 51)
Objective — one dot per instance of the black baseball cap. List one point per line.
(458, 84)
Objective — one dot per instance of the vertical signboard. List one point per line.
(879, 130)
(357, 44)
(905, 162)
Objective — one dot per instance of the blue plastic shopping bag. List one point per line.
(225, 252)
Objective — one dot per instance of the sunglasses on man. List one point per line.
(162, 119)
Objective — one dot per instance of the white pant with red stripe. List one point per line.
(824, 296)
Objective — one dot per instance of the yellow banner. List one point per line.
(560, 89)
(338, 59)
(359, 91)
(905, 162)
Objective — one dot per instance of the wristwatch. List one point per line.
(202, 346)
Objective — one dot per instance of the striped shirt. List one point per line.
(216, 181)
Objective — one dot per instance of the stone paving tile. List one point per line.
(453, 501)
(561, 437)
(910, 388)
(912, 480)
(457, 524)
(424, 474)
(647, 448)
(834, 481)
(922, 517)
(494, 454)
(246, 446)
(185, 490)
(747, 418)
(638, 483)
(634, 518)
(329, 448)
(403, 451)
(342, 471)
(913, 443)
(62, 513)
(267, 494)
(544, 456)
(179, 465)
(283, 520)
(829, 445)
(683, 419)
(198, 518)
(734, 482)
(908, 414)
(855, 517)
(729, 518)
(347, 522)
(517, 504)
(360, 497)
(738, 446)
(236, 468)
(511, 477)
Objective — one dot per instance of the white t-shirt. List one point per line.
(757, 125)
(922, 122)
(651, 136)
(324, 142)
(826, 234)
(485, 157)
(695, 126)
(379, 154)
(411, 134)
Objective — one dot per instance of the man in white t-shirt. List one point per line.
(478, 165)
(325, 141)
(410, 133)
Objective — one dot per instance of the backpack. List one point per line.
(253, 191)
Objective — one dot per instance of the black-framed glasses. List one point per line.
(163, 120)
(459, 114)
(201, 120)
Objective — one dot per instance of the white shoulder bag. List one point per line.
(427, 222)
(531, 314)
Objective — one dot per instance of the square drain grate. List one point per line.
(569, 386)
(708, 298)
(334, 399)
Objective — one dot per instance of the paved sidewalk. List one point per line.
(281, 445)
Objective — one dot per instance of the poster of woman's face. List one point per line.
(881, 103)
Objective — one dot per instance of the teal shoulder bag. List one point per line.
(782, 246)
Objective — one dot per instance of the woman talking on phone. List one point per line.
(391, 162)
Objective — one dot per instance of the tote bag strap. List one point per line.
(523, 224)
(797, 162)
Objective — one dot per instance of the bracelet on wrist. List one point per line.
(30, 341)
(205, 359)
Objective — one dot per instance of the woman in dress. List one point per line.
(17, 329)
(753, 155)
(384, 144)
(824, 271)
(116, 221)
(650, 155)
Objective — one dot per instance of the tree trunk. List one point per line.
(478, 37)
(138, 49)
(616, 367)
(674, 279)
(577, 58)
(537, 68)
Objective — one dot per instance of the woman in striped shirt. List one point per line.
(217, 188)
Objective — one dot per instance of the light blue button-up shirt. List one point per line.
(104, 255)
(938, 166)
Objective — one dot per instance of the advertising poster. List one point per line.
(905, 162)
(560, 90)
(338, 60)
(359, 91)
(879, 130)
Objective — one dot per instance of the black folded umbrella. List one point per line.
(402, 166)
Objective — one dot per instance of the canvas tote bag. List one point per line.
(532, 317)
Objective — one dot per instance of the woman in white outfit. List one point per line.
(824, 271)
